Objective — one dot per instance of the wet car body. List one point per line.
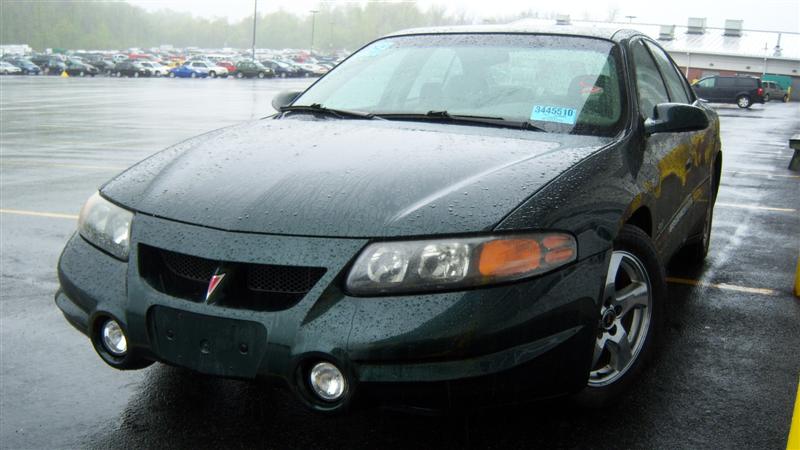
(287, 243)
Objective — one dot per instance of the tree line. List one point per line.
(110, 25)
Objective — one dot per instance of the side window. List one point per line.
(675, 84)
(725, 82)
(648, 80)
(707, 82)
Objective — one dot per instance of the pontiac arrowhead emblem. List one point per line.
(216, 280)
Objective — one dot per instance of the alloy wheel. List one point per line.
(743, 101)
(625, 319)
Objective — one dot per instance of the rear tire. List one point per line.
(172, 75)
(766, 98)
(630, 321)
(261, 75)
(743, 101)
(193, 75)
(212, 74)
(785, 98)
(135, 74)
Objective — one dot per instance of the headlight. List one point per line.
(445, 264)
(106, 225)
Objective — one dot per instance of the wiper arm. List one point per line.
(317, 108)
(445, 116)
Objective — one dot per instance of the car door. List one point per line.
(669, 176)
(700, 144)
(704, 88)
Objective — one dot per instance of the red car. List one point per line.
(228, 65)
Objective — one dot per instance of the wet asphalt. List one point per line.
(726, 376)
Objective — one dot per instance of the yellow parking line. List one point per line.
(724, 286)
(794, 428)
(756, 207)
(20, 212)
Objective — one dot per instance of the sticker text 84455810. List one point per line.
(557, 114)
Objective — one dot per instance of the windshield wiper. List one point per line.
(317, 108)
(445, 116)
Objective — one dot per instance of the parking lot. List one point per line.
(726, 377)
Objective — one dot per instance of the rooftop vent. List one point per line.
(563, 19)
(697, 25)
(733, 28)
(666, 33)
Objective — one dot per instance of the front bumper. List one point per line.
(534, 336)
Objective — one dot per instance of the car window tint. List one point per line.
(649, 84)
(723, 82)
(675, 83)
(747, 82)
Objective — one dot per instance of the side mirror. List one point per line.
(676, 117)
(284, 98)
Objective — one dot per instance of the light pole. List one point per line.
(630, 18)
(255, 16)
(313, 22)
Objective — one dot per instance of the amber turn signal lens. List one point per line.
(509, 257)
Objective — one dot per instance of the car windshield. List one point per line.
(558, 83)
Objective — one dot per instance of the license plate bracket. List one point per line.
(208, 344)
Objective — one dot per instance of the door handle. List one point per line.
(688, 164)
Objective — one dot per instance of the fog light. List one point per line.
(114, 338)
(327, 381)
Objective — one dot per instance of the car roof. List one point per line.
(522, 27)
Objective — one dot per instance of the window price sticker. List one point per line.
(557, 114)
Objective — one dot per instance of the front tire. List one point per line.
(631, 318)
(239, 75)
(135, 74)
(172, 75)
(212, 74)
(785, 98)
(193, 75)
(766, 98)
(261, 75)
(743, 101)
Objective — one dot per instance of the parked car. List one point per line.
(131, 68)
(80, 69)
(504, 241)
(156, 69)
(773, 90)
(281, 69)
(251, 69)
(50, 65)
(208, 67)
(228, 65)
(105, 66)
(6, 68)
(186, 71)
(743, 91)
(26, 66)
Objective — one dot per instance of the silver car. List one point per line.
(773, 90)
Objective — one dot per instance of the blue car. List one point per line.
(186, 72)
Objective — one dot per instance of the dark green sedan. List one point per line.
(449, 217)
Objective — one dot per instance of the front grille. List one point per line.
(261, 287)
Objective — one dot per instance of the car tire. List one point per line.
(630, 321)
(785, 98)
(193, 75)
(261, 75)
(743, 101)
(172, 74)
(212, 74)
(239, 75)
(283, 75)
(135, 74)
(81, 74)
(766, 98)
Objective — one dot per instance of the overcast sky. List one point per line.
(777, 15)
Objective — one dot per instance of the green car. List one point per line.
(249, 69)
(449, 217)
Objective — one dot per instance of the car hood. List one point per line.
(348, 178)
